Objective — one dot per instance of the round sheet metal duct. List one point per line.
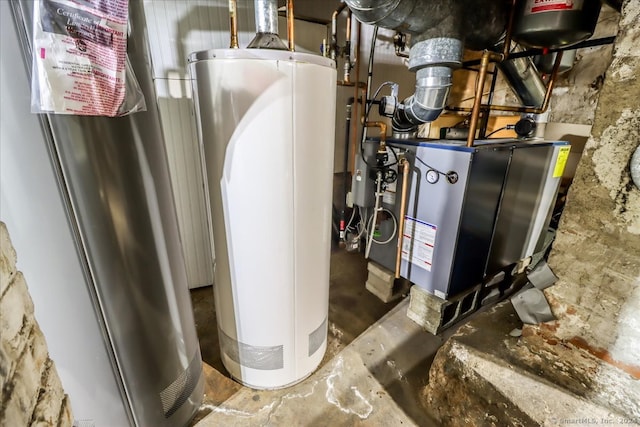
(440, 29)
(266, 26)
(522, 76)
(432, 60)
(479, 23)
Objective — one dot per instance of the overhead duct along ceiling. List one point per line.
(440, 30)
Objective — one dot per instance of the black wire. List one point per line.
(461, 121)
(496, 131)
(367, 102)
(394, 155)
(429, 166)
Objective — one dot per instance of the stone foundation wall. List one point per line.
(32, 394)
(583, 367)
(597, 252)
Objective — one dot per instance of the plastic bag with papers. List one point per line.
(80, 63)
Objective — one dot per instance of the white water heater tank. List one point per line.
(266, 122)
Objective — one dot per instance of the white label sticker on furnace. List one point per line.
(538, 6)
(418, 242)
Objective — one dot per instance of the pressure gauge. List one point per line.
(432, 176)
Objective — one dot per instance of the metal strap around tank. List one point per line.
(265, 358)
(317, 337)
(178, 392)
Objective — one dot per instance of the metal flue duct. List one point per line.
(440, 29)
(267, 26)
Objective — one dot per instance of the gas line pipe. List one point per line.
(405, 165)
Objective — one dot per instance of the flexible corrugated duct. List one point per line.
(440, 29)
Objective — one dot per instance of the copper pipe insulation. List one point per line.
(487, 57)
(510, 108)
(233, 24)
(290, 28)
(403, 207)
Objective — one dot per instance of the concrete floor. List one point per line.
(376, 363)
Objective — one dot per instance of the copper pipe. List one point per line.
(347, 49)
(290, 24)
(233, 24)
(357, 106)
(348, 29)
(517, 109)
(358, 110)
(334, 17)
(507, 37)
(487, 57)
(383, 131)
(334, 30)
(403, 207)
(358, 85)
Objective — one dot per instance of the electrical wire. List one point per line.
(394, 155)
(361, 224)
(395, 227)
(370, 100)
(359, 228)
(372, 51)
(367, 103)
(375, 213)
(507, 127)
(484, 94)
(430, 167)
(347, 228)
(375, 95)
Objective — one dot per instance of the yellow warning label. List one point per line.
(563, 156)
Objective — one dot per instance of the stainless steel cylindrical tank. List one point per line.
(554, 23)
(266, 125)
(114, 179)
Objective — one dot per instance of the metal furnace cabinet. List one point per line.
(471, 211)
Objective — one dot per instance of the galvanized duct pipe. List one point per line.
(522, 76)
(439, 29)
(433, 61)
(266, 16)
(266, 12)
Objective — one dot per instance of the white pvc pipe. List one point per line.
(375, 215)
